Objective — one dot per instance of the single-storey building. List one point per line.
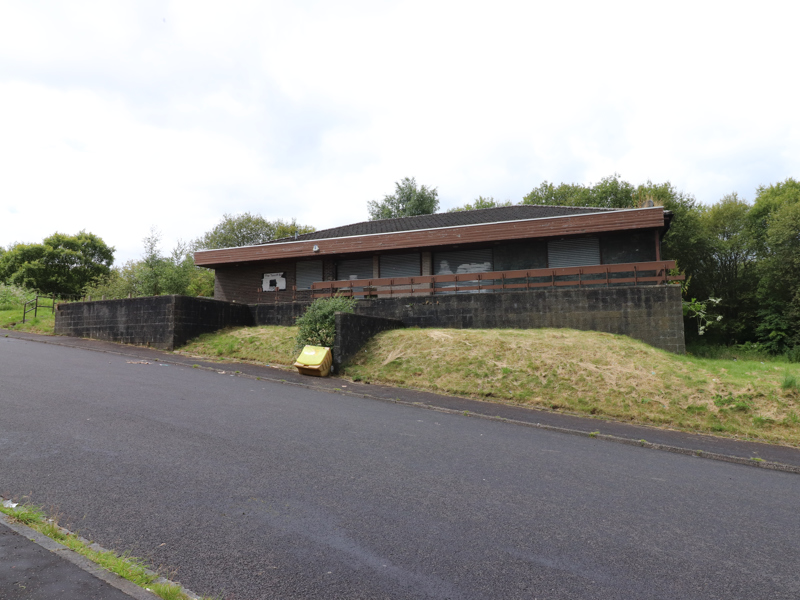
(488, 250)
(511, 267)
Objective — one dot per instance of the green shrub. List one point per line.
(318, 324)
(793, 355)
(14, 296)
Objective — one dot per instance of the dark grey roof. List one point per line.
(452, 219)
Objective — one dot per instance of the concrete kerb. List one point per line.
(266, 376)
(80, 561)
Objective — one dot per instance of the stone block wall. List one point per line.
(164, 322)
(353, 331)
(194, 316)
(278, 313)
(652, 314)
(140, 321)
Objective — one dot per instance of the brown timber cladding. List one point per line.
(513, 230)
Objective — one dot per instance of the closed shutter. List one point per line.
(360, 268)
(581, 252)
(308, 272)
(401, 265)
(462, 261)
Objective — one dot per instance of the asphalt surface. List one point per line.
(718, 447)
(257, 489)
(29, 571)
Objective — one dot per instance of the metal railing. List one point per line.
(35, 305)
(648, 273)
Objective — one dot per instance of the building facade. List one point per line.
(488, 250)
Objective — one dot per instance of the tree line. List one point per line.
(744, 256)
(73, 266)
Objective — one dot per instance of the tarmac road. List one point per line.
(252, 489)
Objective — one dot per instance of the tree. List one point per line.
(565, 194)
(481, 202)
(609, 192)
(726, 268)
(686, 242)
(408, 200)
(775, 228)
(247, 230)
(61, 264)
(156, 274)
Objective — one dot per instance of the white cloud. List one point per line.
(118, 116)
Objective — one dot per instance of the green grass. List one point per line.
(43, 323)
(790, 382)
(129, 567)
(269, 344)
(592, 373)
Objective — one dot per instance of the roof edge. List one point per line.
(366, 235)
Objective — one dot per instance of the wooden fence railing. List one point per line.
(628, 273)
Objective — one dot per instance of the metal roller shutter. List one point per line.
(401, 265)
(462, 261)
(581, 252)
(359, 268)
(308, 272)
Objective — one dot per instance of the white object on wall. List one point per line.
(273, 281)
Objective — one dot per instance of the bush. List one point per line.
(794, 355)
(14, 296)
(318, 324)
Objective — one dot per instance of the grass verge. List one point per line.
(272, 345)
(593, 373)
(12, 319)
(129, 567)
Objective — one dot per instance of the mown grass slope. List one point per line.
(270, 344)
(593, 373)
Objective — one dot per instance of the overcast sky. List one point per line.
(118, 116)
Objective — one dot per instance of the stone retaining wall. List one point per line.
(652, 314)
(165, 322)
(353, 331)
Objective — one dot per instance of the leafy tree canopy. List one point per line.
(61, 264)
(247, 230)
(610, 192)
(769, 200)
(408, 200)
(156, 273)
(481, 202)
(775, 229)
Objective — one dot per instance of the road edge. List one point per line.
(91, 567)
(729, 458)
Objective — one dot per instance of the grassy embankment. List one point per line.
(43, 323)
(271, 345)
(593, 373)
